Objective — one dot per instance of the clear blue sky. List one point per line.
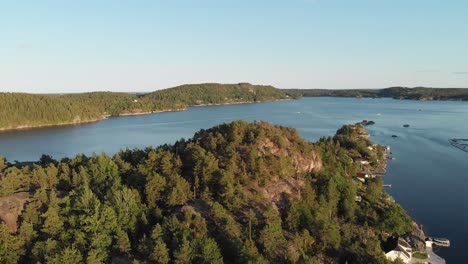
(131, 45)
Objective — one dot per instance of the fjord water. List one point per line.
(429, 177)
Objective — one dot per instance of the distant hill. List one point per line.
(235, 193)
(21, 110)
(417, 93)
(213, 93)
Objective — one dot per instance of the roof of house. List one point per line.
(403, 243)
(402, 250)
(362, 174)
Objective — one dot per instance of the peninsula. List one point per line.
(235, 193)
(22, 110)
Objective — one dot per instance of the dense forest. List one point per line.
(417, 93)
(236, 193)
(20, 110)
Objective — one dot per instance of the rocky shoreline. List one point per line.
(73, 123)
(417, 239)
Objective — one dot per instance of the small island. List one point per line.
(367, 122)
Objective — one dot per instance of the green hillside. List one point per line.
(212, 93)
(235, 193)
(19, 110)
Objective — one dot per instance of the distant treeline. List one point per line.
(21, 110)
(417, 93)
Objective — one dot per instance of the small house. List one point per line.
(364, 162)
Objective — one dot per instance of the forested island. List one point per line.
(417, 93)
(21, 110)
(236, 193)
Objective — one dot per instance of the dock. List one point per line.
(387, 185)
(461, 144)
(440, 242)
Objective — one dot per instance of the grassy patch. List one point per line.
(420, 255)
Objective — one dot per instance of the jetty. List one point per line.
(459, 143)
(440, 242)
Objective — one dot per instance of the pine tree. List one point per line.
(160, 252)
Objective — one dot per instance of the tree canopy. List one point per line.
(236, 193)
(416, 93)
(22, 110)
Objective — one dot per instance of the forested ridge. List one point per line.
(21, 110)
(417, 93)
(236, 193)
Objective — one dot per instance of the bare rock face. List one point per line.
(303, 159)
(274, 191)
(307, 164)
(303, 162)
(11, 208)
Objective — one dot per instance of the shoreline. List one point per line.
(240, 102)
(149, 112)
(75, 123)
(417, 235)
(30, 127)
(397, 98)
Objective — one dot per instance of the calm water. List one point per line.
(429, 177)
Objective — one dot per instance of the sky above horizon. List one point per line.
(57, 46)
